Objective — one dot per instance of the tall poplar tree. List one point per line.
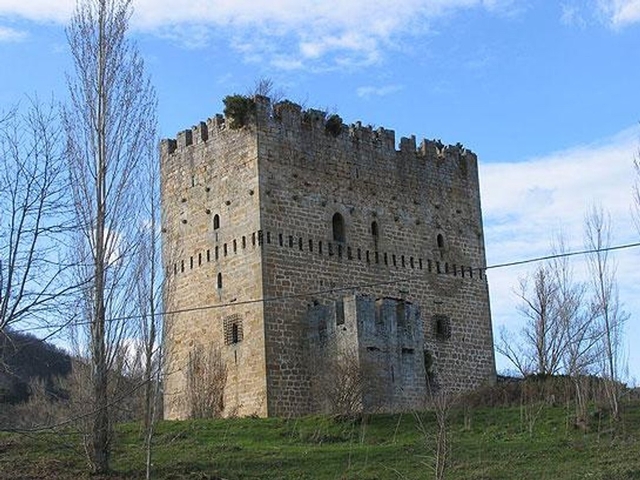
(110, 125)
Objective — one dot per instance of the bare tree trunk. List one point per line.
(110, 125)
(605, 302)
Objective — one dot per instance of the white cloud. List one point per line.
(8, 34)
(353, 31)
(526, 203)
(371, 91)
(621, 12)
(572, 15)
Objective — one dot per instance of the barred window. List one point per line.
(233, 329)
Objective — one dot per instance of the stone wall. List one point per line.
(211, 219)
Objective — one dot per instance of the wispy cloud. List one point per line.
(573, 16)
(371, 91)
(349, 32)
(620, 13)
(8, 34)
(526, 203)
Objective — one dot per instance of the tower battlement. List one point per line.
(288, 120)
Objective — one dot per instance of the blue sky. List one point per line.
(545, 92)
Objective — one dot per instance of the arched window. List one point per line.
(220, 280)
(216, 221)
(440, 241)
(338, 228)
(375, 232)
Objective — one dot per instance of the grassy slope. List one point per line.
(488, 443)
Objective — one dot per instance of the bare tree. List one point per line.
(206, 379)
(32, 215)
(148, 282)
(605, 303)
(343, 382)
(110, 127)
(542, 344)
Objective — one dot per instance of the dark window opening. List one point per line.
(320, 248)
(442, 327)
(338, 228)
(244, 242)
(219, 280)
(440, 241)
(208, 255)
(310, 245)
(269, 237)
(216, 221)
(191, 263)
(216, 253)
(235, 333)
(375, 233)
(199, 259)
(300, 243)
(290, 241)
(339, 312)
(407, 350)
(235, 246)
(181, 266)
(224, 249)
(280, 242)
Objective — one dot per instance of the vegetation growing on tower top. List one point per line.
(334, 125)
(238, 109)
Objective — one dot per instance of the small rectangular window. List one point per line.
(339, 312)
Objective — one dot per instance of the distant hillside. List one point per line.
(23, 358)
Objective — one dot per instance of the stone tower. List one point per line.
(294, 244)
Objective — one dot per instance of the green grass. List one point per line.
(486, 443)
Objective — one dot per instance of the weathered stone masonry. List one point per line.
(270, 225)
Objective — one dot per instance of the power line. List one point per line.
(563, 255)
(324, 292)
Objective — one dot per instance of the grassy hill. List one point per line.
(536, 441)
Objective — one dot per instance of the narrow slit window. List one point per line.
(338, 228)
(219, 281)
(216, 221)
(375, 232)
